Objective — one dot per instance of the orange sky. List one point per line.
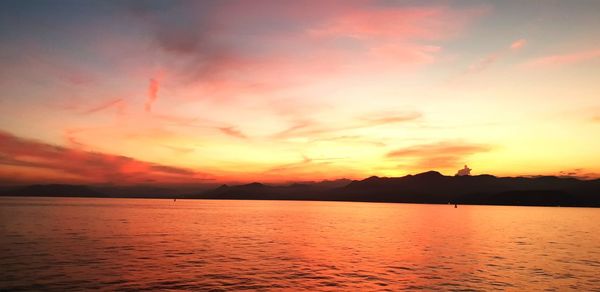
(173, 92)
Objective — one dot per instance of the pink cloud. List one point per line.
(389, 36)
(397, 35)
(152, 94)
(483, 64)
(564, 59)
(518, 44)
(492, 58)
(203, 53)
(421, 23)
(87, 166)
(231, 131)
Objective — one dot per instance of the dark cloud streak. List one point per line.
(93, 167)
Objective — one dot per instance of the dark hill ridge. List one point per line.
(428, 187)
(258, 191)
(432, 187)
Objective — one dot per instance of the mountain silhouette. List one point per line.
(428, 187)
(431, 187)
(258, 191)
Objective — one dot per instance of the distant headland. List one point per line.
(428, 187)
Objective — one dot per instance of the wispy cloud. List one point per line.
(306, 165)
(383, 118)
(564, 58)
(152, 94)
(198, 39)
(311, 128)
(492, 58)
(438, 155)
(400, 22)
(232, 131)
(70, 137)
(179, 149)
(86, 166)
(518, 44)
(117, 102)
(398, 35)
(188, 79)
(483, 64)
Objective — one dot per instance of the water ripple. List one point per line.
(132, 245)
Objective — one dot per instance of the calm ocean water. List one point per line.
(131, 244)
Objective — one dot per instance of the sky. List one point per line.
(177, 92)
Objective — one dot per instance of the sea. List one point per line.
(65, 244)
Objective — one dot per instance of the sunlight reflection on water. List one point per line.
(76, 243)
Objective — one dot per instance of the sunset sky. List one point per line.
(170, 92)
